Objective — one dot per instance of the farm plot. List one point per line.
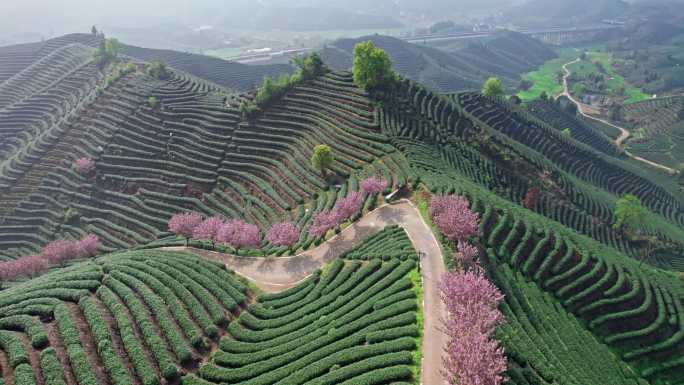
(352, 324)
(132, 318)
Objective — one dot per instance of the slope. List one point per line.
(449, 69)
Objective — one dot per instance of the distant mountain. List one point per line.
(506, 55)
(566, 12)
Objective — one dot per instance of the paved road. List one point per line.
(624, 133)
(277, 274)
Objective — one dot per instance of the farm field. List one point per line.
(545, 78)
(615, 82)
(181, 180)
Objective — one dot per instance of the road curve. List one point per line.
(277, 274)
(624, 133)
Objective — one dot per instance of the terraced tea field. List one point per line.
(585, 302)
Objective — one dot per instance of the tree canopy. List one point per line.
(322, 158)
(372, 67)
(493, 88)
(107, 51)
(629, 213)
(157, 69)
(310, 66)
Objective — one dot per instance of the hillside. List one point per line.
(162, 147)
(451, 68)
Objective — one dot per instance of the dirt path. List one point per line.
(624, 133)
(277, 274)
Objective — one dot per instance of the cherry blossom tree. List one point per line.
(452, 215)
(89, 246)
(466, 256)
(22, 267)
(474, 357)
(283, 234)
(84, 166)
(184, 225)
(347, 206)
(207, 229)
(322, 223)
(58, 252)
(238, 233)
(373, 185)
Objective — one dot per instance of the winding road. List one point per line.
(277, 274)
(624, 133)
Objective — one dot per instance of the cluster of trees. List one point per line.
(238, 234)
(308, 67)
(235, 232)
(56, 253)
(107, 52)
(630, 214)
(157, 69)
(473, 354)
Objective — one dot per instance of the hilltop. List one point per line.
(577, 288)
(453, 67)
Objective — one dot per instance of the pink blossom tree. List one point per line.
(23, 267)
(184, 225)
(207, 229)
(474, 357)
(238, 233)
(58, 252)
(373, 185)
(84, 166)
(322, 223)
(348, 206)
(466, 256)
(283, 234)
(89, 246)
(452, 215)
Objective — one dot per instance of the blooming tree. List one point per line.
(238, 233)
(207, 229)
(452, 215)
(22, 267)
(373, 185)
(323, 222)
(88, 246)
(466, 255)
(283, 234)
(474, 357)
(84, 166)
(347, 206)
(58, 252)
(184, 224)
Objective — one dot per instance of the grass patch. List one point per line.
(545, 78)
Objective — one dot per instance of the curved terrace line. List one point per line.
(277, 274)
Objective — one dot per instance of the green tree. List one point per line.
(310, 66)
(372, 67)
(567, 132)
(107, 51)
(157, 69)
(543, 95)
(322, 158)
(493, 88)
(629, 213)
